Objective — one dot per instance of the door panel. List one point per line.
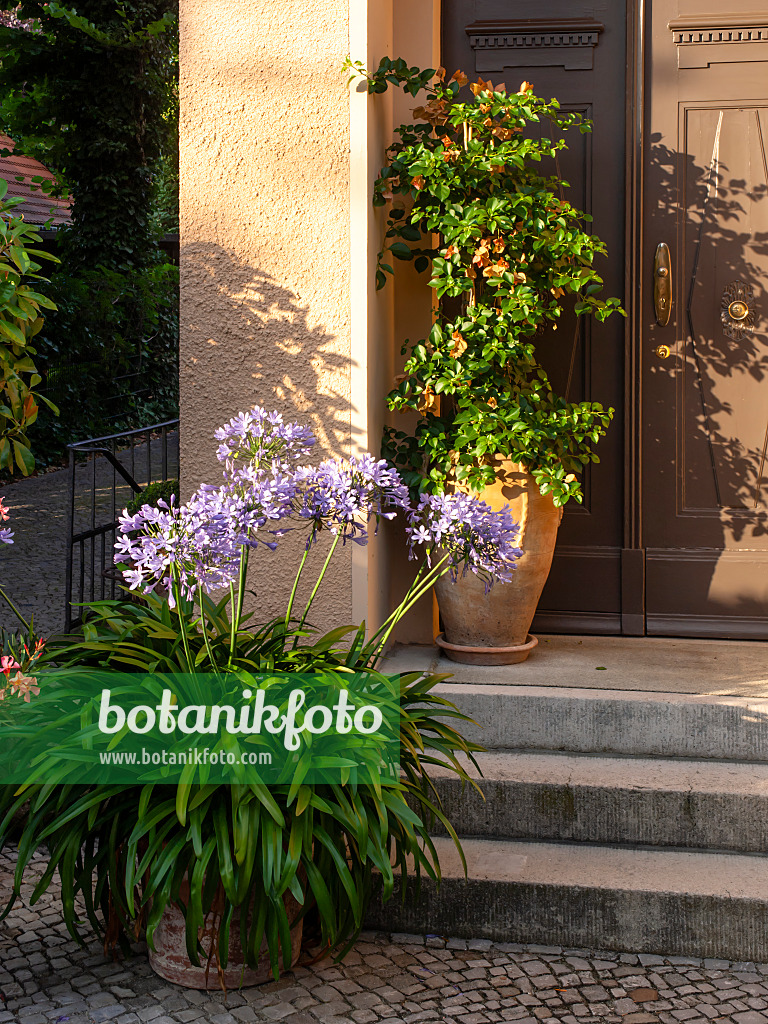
(705, 405)
(725, 218)
(574, 50)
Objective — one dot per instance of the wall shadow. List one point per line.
(245, 340)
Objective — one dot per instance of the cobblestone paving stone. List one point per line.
(46, 978)
(33, 568)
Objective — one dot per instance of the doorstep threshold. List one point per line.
(736, 668)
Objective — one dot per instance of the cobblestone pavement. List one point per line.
(46, 978)
(33, 568)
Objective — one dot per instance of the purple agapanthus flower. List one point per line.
(200, 544)
(261, 439)
(193, 544)
(250, 499)
(344, 497)
(469, 532)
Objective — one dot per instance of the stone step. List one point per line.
(623, 722)
(716, 667)
(594, 897)
(715, 805)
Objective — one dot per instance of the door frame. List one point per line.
(633, 552)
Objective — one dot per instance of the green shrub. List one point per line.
(92, 93)
(163, 490)
(466, 200)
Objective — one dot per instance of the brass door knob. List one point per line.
(738, 310)
(663, 351)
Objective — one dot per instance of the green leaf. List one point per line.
(401, 251)
(25, 460)
(20, 257)
(13, 332)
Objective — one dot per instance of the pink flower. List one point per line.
(3, 509)
(8, 665)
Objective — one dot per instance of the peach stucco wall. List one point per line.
(265, 262)
(278, 240)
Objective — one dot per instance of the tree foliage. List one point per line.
(466, 199)
(108, 355)
(20, 321)
(91, 93)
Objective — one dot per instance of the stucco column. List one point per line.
(266, 246)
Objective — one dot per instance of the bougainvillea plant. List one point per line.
(466, 199)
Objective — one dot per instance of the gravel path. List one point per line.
(387, 979)
(33, 568)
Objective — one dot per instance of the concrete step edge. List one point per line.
(598, 866)
(652, 901)
(599, 771)
(613, 722)
(581, 798)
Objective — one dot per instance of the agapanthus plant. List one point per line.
(260, 437)
(465, 531)
(130, 851)
(193, 550)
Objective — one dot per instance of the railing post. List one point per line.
(70, 545)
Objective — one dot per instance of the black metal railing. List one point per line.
(104, 474)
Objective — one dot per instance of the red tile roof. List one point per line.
(37, 206)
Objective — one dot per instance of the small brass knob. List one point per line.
(738, 310)
(663, 351)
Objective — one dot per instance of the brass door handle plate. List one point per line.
(663, 351)
(662, 285)
(738, 310)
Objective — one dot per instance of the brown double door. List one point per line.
(673, 536)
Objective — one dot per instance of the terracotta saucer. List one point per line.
(486, 655)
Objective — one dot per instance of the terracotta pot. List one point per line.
(169, 957)
(492, 628)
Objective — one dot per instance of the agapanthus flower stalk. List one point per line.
(262, 438)
(344, 496)
(185, 547)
